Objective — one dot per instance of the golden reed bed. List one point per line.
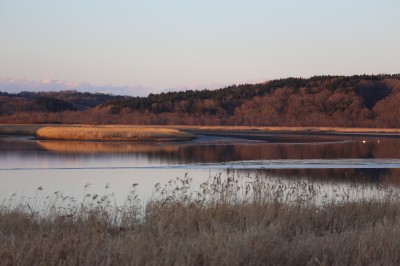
(117, 133)
(167, 133)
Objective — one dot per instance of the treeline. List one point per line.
(356, 101)
(31, 102)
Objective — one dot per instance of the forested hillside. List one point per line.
(355, 101)
(43, 102)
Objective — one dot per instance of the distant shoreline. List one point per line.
(98, 133)
(161, 133)
(268, 133)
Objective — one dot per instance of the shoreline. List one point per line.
(320, 131)
(103, 133)
(163, 133)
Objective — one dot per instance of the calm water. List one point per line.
(26, 164)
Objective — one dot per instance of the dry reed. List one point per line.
(117, 133)
(224, 222)
(16, 129)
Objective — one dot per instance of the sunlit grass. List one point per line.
(224, 221)
(99, 133)
(115, 133)
(10, 129)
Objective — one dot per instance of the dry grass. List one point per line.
(115, 133)
(32, 129)
(98, 133)
(228, 222)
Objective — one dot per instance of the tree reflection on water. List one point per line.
(217, 150)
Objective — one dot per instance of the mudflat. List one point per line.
(160, 133)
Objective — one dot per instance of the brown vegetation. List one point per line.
(228, 222)
(99, 133)
(230, 131)
(334, 101)
(115, 133)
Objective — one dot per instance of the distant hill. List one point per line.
(51, 101)
(356, 101)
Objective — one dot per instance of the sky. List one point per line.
(137, 47)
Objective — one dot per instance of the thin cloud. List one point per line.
(13, 85)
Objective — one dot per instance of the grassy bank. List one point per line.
(9, 129)
(228, 222)
(97, 133)
(115, 133)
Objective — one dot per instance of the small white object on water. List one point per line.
(364, 141)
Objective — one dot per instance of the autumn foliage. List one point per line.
(356, 101)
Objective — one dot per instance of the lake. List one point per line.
(68, 166)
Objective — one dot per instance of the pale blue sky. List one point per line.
(168, 44)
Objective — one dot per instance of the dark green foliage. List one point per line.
(346, 101)
(54, 105)
(372, 92)
(80, 100)
(229, 98)
(51, 102)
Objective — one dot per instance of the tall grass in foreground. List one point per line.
(230, 221)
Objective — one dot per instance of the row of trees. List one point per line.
(11, 103)
(370, 88)
(365, 100)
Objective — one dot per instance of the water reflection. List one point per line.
(352, 152)
(353, 175)
(214, 150)
(103, 147)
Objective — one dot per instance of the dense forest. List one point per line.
(348, 101)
